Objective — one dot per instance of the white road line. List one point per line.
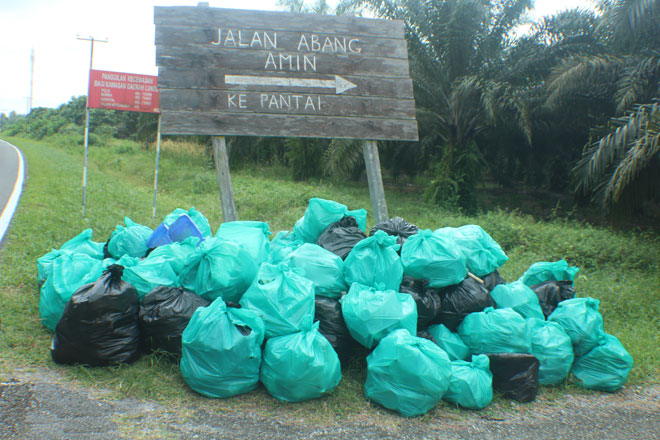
(10, 208)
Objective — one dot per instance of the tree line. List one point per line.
(571, 105)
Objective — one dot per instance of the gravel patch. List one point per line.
(40, 405)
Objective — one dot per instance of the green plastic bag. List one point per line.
(372, 313)
(548, 271)
(283, 297)
(554, 350)
(450, 342)
(176, 253)
(407, 374)
(483, 254)
(300, 366)
(518, 297)
(321, 266)
(581, 320)
(495, 331)
(218, 268)
(471, 383)
(150, 273)
(69, 272)
(221, 350)
(375, 260)
(282, 245)
(322, 213)
(197, 218)
(433, 257)
(80, 244)
(130, 240)
(605, 367)
(253, 237)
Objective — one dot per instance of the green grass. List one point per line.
(619, 268)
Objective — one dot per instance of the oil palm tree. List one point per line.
(620, 162)
(456, 50)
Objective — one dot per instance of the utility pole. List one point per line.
(91, 58)
(29, 110)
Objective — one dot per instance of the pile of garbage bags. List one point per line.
(428, 309)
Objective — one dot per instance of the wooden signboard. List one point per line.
(237, 72)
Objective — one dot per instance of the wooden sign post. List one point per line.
(256, 73)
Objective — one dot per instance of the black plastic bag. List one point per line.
(164, 315)
(460, 300)
(331, 325)
(492, 279)
(427, 299)
(516, 375)
(551, 293)
(396, 226)
(99, 325)
(340, 237)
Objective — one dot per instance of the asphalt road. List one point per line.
(10, 162)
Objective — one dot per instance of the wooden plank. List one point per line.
(199, 57)
(217, 123)
(285, 103)
(245, 38)
(224, 179)
(375, 180)
(269, 20)
(209, 78)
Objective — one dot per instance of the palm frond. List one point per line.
(580, 75)
(342, 157)
(611, 163)
(641, 81)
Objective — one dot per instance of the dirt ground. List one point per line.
(41, 405)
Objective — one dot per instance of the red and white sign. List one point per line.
(123, 91)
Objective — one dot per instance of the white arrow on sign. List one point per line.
(339, 84)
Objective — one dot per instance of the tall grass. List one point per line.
(622, 269)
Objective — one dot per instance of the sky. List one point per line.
(61, 62)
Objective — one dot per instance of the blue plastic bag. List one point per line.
(197, 217)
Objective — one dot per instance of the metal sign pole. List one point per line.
(153, 211)
(84, 179)
(376, 191)
(224, 179)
